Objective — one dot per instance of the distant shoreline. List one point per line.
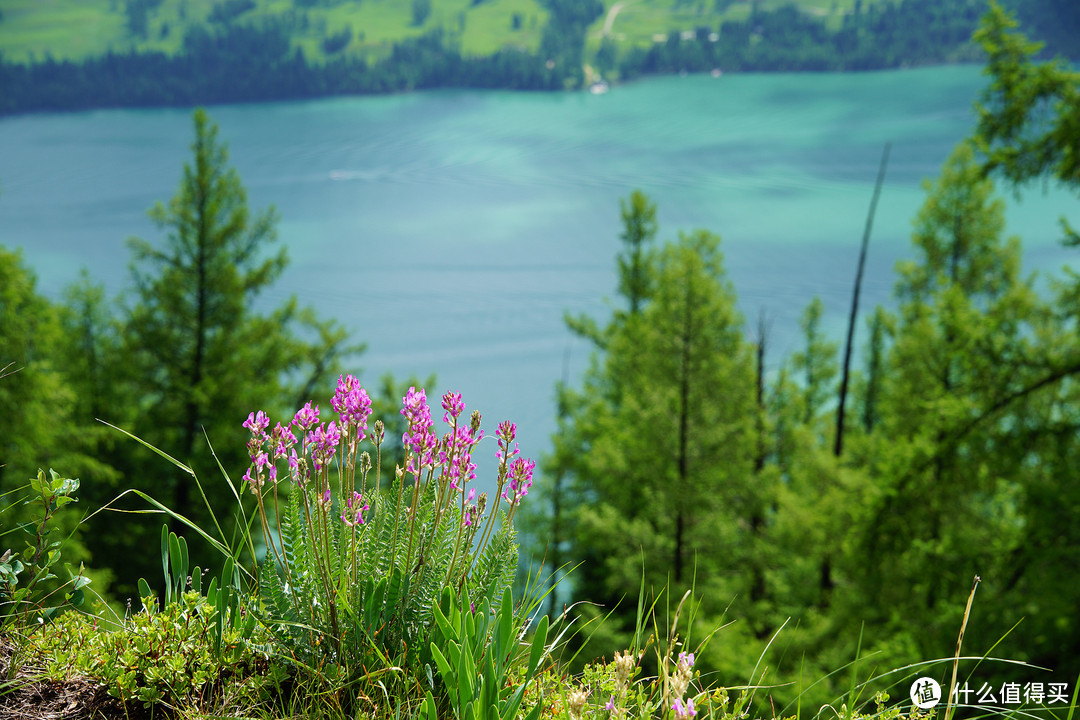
(246, 63)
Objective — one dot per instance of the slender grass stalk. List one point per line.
(949, 708)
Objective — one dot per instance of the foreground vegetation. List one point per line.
(731, 547)
(333, 623)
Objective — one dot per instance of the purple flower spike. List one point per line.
(684, 711)
(257, 422)
(325, 439)
(352, 404)
(253, 482)
(306, 417)
(419, 438)
(294, 466)
(453, 405)
(353, 514)
(282, 439)
(520, 476)
(507, 431)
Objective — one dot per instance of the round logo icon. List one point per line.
(925, 693)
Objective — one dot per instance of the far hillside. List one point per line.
(79, 29)
(78, 54)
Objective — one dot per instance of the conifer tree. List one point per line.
(961, 340)
(1029, 129)
(664, 474)
(551, 527)
(816, 363)
(203, 356)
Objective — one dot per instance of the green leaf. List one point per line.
(144, 592)
(165, 560)
(428, 707)
(536, 654)
(534, 714)
(443, 622)
(466, 674)
(446, 672)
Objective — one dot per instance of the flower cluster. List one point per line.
(517, 471)
(452, 455)
(684, 710)
(353, 406)
(684, 672)
(419, 437)
(457, 446)
(353, 514)
(625, 666)
(321, 442)
(576, 702)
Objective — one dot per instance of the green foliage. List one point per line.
(816, 363)
(34, 399)
(421, 10)
(39, 417)
(639, 223)
(158, 658)
(19, 603)
(1018, 136)
(656, 450)
(476, 649)
(967, 425)
(352, 573)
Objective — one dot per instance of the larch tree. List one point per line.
(962, 338)
(1029, 130)
(665, 475)
(203, 356)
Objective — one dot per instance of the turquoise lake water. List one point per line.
(451, 230)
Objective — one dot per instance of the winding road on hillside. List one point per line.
(610, 19)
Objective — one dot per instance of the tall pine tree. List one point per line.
(202, 356)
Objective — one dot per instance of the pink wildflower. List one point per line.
(453, 405)
(520, 476)
(352, 404)
(353, 514)
(683, 711)
(306, 417)
(257, 422)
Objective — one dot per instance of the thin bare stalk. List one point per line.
(959, 642)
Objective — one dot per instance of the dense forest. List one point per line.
(232, 59)
(845, 514)
(832, 512)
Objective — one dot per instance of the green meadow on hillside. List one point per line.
(79, 29)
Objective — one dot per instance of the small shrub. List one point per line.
(20, 601)
(163, 656)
